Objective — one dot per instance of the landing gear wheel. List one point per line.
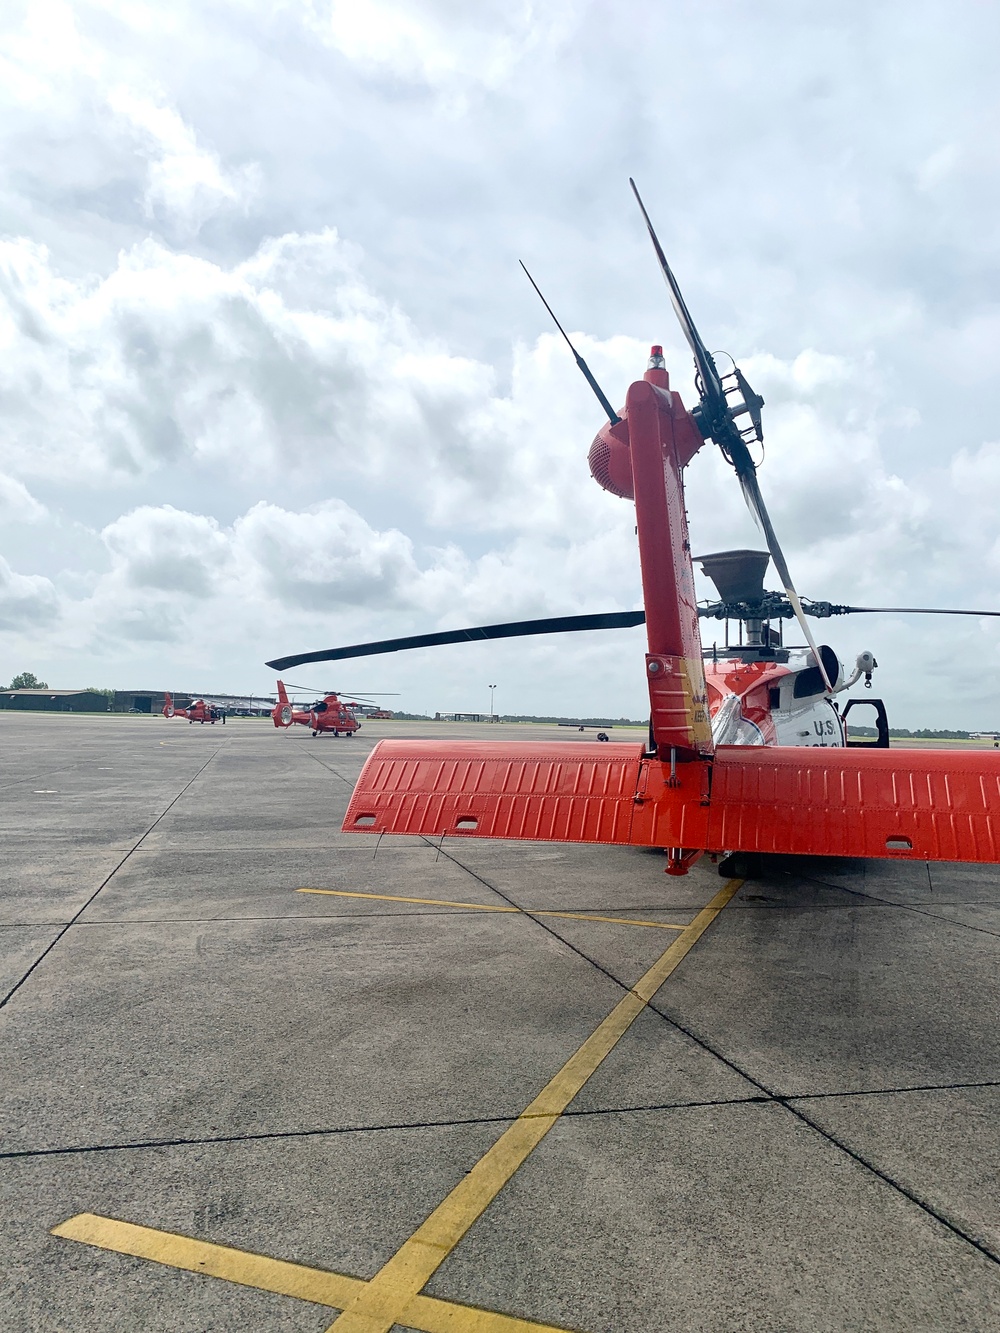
(315, 734)
(742, 865)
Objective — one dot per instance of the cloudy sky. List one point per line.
(271, 379)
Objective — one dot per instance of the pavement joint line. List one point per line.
(493, 907)
(393, 1295)
(280, 1135)
(38, 776)
(907, 907)
(349, 781)
(134, 848)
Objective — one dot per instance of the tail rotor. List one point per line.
(281, 713)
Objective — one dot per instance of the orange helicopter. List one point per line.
(748, 750)
(197, 711)
(329, 714)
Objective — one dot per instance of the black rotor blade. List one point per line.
(913, 611)
(755, 503)
(513, 630)
(702, 356)
(314, 689)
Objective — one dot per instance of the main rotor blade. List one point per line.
(914, 611)
(702, 356)
(513, 630)
(315, 689)
(755, 502)
(378, 694)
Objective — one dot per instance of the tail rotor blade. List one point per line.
(702, 356)
(512, 630)
(584, 369)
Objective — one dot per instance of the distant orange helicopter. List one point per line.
(330, 714)
(198, 711)
(748, 751)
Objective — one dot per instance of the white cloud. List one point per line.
(51, 68)
(185, 181)
(17, 504)
(26, 600)
(171, 361)
(443, 45)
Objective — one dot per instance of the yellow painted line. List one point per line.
(198, 1256)
(489, 907)
(276, 1275)
(384, 1301)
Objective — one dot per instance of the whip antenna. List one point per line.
(613, 416)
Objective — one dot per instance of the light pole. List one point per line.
(492, 688)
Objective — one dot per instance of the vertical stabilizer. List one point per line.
(662, 439)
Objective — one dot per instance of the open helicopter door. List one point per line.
(881, 741)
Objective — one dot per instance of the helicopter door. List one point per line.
(881, 741)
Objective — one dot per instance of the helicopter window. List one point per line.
(773, 697)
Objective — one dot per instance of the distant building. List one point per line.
(127, 701)
(56, 701)
(458, 717)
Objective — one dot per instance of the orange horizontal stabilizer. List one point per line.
(564, 792)
(925, 805)
(918, 804)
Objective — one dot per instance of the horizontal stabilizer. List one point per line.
(568, 791)
(923, 805)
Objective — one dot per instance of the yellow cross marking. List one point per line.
(284, 1279)
(490, 907)
(393, 1295)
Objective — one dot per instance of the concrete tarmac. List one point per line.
(799, 1131)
